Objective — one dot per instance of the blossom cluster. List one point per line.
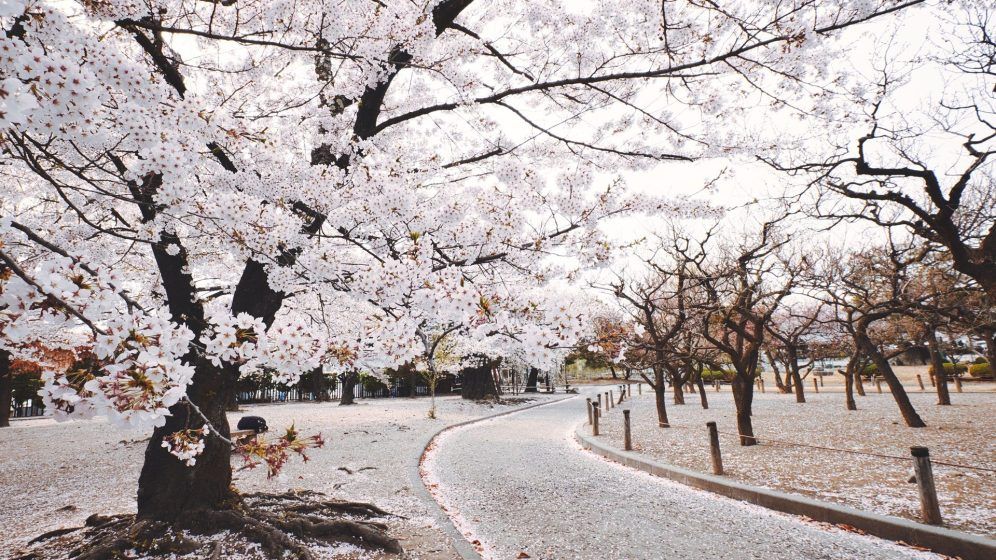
(187, 444)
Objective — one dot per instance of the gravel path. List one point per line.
(522, 487)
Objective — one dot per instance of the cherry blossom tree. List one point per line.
(194, 188)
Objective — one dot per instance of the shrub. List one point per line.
(980, 360)
(869, 370)
(980, 370)
(713, 375)
(950, 370)
(372, 384)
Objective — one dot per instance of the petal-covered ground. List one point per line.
(958, 434)
(54, 475)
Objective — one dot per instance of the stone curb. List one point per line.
(462, 546)
(937, 539)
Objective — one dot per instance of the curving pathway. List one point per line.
(523, 488)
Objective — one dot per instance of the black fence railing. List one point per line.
(24, 409)
(331, 391)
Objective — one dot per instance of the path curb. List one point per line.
(937, 539)
(462, 546)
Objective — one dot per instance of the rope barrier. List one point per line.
(853, 451)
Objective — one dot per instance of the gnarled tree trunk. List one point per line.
(168, 488)
(743, 398)
(909, 414)
(937, 364)
(348, 388)
(793, 371)
(532, 380)
(660, 396)
(479, 383)
(703, 399)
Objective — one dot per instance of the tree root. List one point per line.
(282, 524)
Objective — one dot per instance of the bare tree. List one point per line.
(867, 289)
(743, 288)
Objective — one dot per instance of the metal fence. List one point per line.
(332, 391)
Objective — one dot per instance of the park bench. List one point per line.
(238, 436)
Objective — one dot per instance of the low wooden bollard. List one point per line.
(594, 423)
(639, 388)
(762, 383)
(816, 385)
(607, 404)
(878, 385)
(919, 381)
(588, 407)
(612, 399)
(717, 386)
(821, 381)
(930, 376)
(717, 459)
(957, 381)
(930, 509)
(599, 400)
(627, 439)
(629, 390)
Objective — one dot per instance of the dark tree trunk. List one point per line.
(6, 383)
(793, 365)
(660, 396)
(849, 373)
(783, 387)
(991, 352)
(533, 379)
(167, 488)
(937, 363)
(348, 394)
(703, 399)
(906, 409)
(318, 384)
(859, 370)
(677, 388)
(233, 402)
(612, 370)
(743, 398)
(479, 383)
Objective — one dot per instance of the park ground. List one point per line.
(806, 448)
(54, 475)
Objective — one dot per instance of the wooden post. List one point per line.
(816, 385)
(629, 390)
(957, 381)
(919, 381)
(878, 385)
(930, 509)
(930, 375)
(588, 408)
(639, 388)
(821, 381)
(717, 385)
(594, 424)
(627, 439)
(717, 459)
(599, 400)
(612, 398)
(761, 379)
